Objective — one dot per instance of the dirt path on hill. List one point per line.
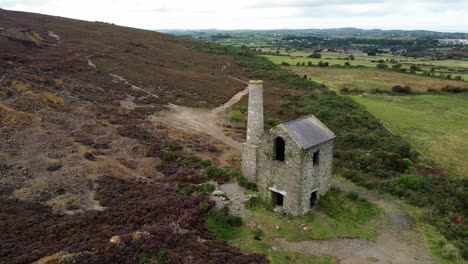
(397, 243)
(200, 120)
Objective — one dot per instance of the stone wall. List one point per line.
(295, 177)
(283, 176)
(315, 176)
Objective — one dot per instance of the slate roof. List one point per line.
(308, 131)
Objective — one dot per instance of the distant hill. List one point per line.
(332, 32)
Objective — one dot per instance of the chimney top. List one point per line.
(255, 82)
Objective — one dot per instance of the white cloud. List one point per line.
(441, 15)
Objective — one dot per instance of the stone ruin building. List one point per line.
(292, 162)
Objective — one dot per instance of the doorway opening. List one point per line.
(313, 199)
(278, 198)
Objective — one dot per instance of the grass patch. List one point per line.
(341, 216)
(228, 227)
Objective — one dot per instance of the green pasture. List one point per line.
(368, 79)
(435, 125)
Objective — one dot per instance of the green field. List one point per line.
(452, 67)
(368, 79)
(435, 125)
(332, 60)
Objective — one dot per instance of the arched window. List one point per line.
(279, 146)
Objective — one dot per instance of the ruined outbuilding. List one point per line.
(291, 162)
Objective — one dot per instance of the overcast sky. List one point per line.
(438, 15)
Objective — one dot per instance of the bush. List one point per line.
(213, 172)
(315, 55)
(221, 224)
(235, 116)
(401, 89)
(382, 66)
(412, 182)
(353, 196)
(271, 122)
(169, 156)
(285, 64)
(323, 64)
(194, 160)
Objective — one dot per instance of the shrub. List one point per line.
(169, 156)
(221, 224)
(401, 89)
(322, 64)
(413, 182)
(285, 64)
(382, 66)
(315, 55)
(414, 68)
(213, 172)
(353, 196)
(345, 90)
(271, 122)
(235, 116)
(194, 160)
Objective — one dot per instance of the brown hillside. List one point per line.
(160, 63)
(80, 162)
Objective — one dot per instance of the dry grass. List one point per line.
(58, 82)
(12, 118)
(20, 86)
(34, 36)
(109, 167)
